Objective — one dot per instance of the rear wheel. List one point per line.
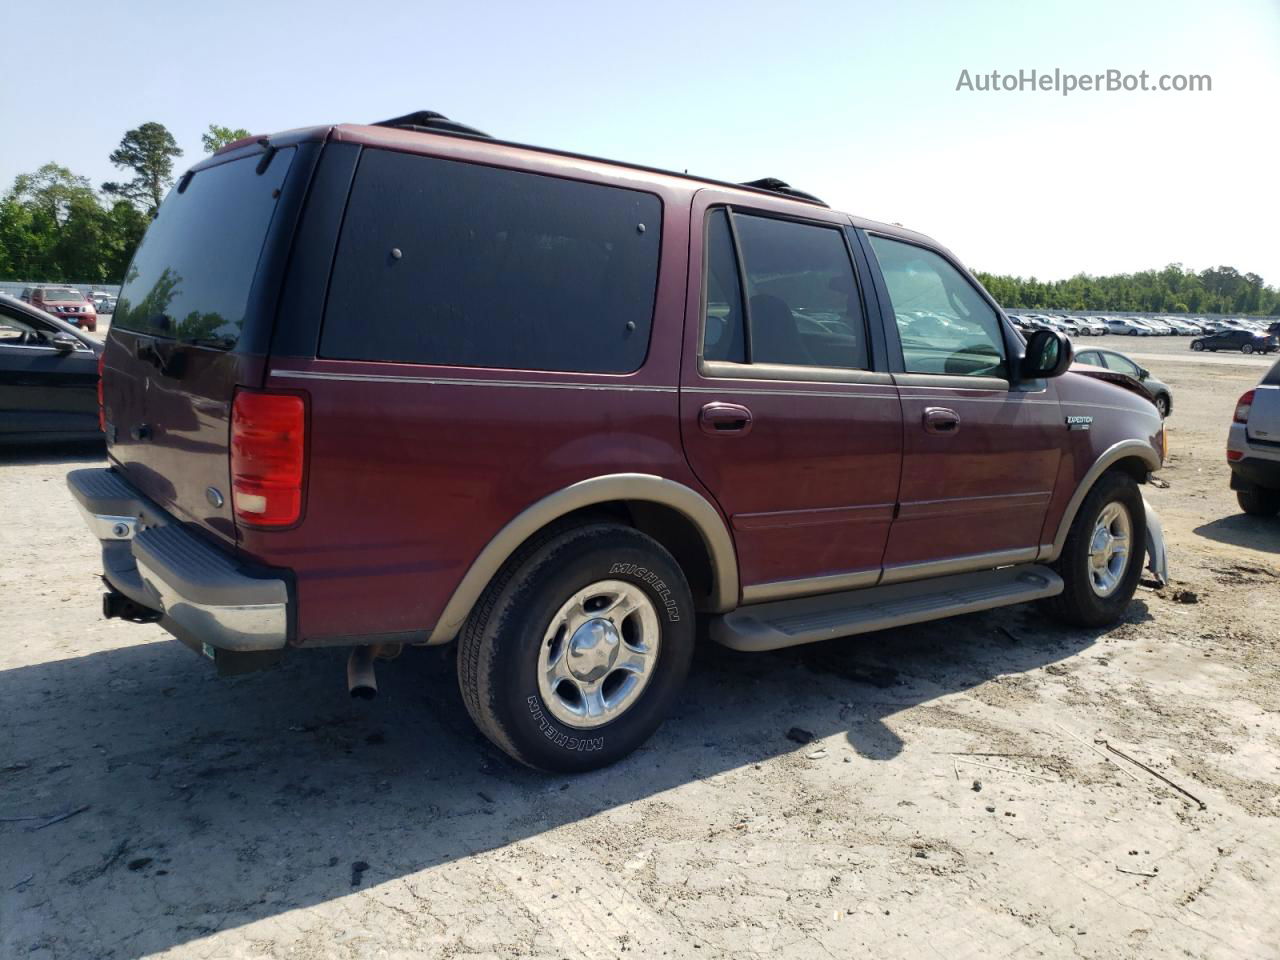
(578, 649)
(1102, 558)
(1259, 502)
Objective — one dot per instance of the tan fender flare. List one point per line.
(585, 493)
(1109, 458)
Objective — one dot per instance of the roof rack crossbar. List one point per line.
(774, 185)
(428, 121)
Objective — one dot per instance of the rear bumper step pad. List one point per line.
(207, 597)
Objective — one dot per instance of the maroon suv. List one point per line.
(371, 386)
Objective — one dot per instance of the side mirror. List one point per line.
(1049, 354)
(64, 343)
(1143, 373)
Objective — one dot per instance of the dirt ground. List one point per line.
(960, 798)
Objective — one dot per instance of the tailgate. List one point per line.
(1264, 415)
(172, 362)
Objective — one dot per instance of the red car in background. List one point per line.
(65, 303)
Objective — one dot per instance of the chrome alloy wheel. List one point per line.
(598, 653)
(1109, 549)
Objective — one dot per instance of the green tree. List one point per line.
(148, 151)
(218, 137)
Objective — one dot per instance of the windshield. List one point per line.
(191, 277)
(61, 295)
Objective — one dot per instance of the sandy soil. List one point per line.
(959, 798)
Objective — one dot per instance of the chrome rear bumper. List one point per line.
(206, 597)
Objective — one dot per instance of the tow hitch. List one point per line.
(115, 605)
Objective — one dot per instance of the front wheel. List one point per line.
(1246, 348)
(1102, 558)
(1197, 346)
(578, 649)
(1162, 405)
(1259, 502)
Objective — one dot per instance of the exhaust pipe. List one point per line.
(361, 681)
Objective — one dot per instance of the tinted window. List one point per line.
(804, 303)
(454, 263)
(945, 325)
(723, 325)
(191, 276)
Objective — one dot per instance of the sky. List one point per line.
(853, 101)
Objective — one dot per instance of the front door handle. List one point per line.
(941, 420)
(718, 419)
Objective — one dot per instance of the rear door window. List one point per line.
(443, 262)
(803, 305)
(191, 277)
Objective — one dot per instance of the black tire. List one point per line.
(1162, 404)
(1259, 502)
(1079, 604)
(499, 647)
(1246, 348)
(1197, 345)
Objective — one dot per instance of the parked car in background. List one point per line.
(65, 303)
(1180, 327)
(257, 444)
(1129, 327)
(48, 376)
(104, 304)
(1246, 341)
(1092, 326)
(1062, 325)
(1158, 327)
(1161, 395)
(1253, 447)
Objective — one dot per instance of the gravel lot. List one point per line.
(959, 798)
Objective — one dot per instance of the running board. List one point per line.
(786, 623)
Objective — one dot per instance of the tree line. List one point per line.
(55, 226)
(1220, 290)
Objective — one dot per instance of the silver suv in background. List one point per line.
(1253, 447)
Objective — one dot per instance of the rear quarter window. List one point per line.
(443, 262)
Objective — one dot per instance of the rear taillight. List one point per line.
(102, 414)
(1243, 406)
(268, 433)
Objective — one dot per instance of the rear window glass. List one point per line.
(193, 271)
(459, 264)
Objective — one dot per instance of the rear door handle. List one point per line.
(941, 420)
(718, 419)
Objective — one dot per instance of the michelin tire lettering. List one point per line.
(558, 736)
(649, 578)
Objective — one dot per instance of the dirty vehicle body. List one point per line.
(1253, 447)
(556, 408)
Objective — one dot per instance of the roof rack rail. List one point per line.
(774, 185)
(428, 121)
